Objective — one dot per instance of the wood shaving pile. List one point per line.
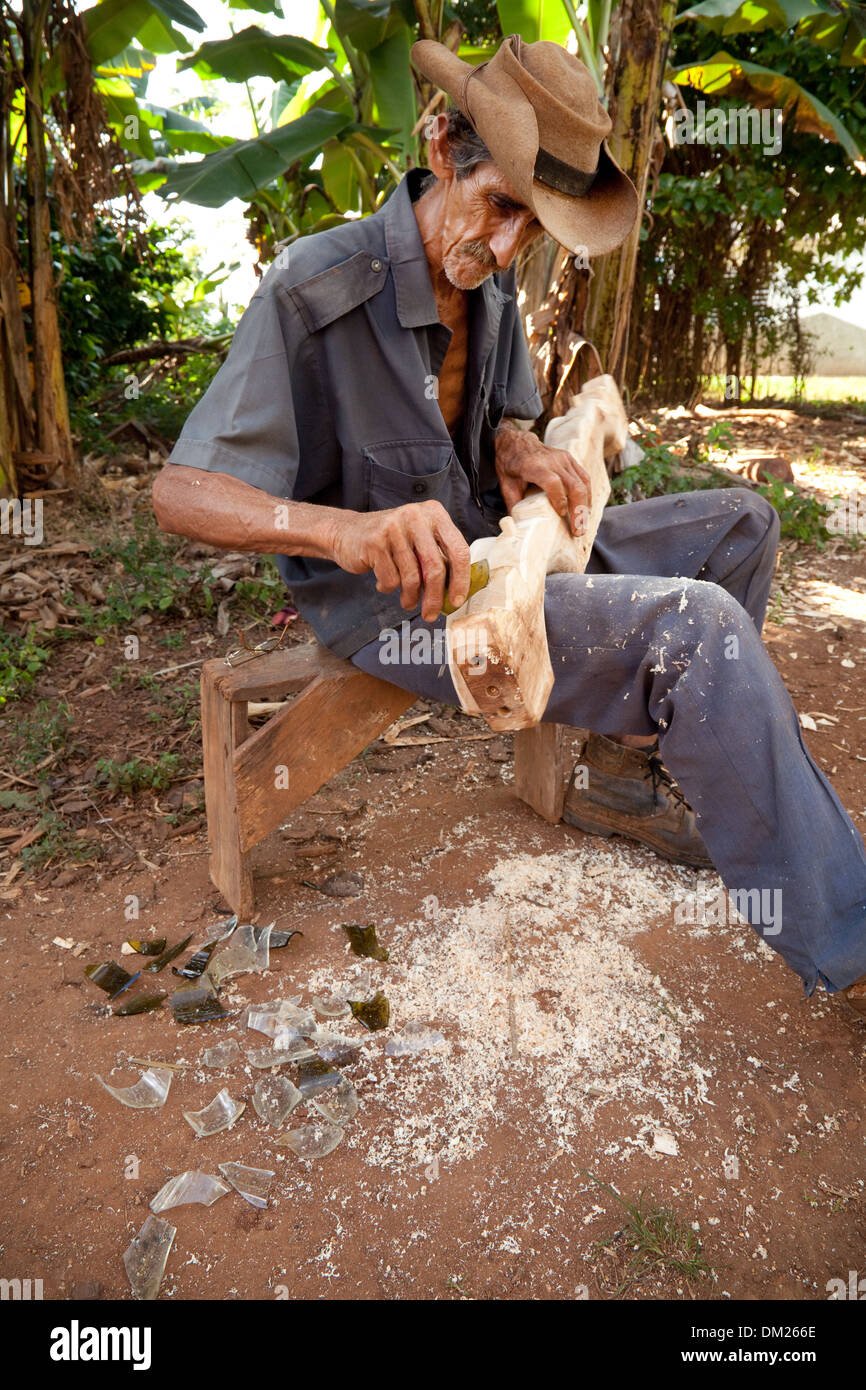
(541, 1001)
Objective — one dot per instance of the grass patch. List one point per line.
(658, 1241)
(136, 775)
(22, 657)
(59, 840)
(148, 578)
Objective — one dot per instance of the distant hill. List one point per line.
(839, 348)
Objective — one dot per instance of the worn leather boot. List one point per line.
(630, 792)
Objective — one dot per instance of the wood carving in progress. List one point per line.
(497, 641)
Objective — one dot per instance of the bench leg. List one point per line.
(224, 727)
(539, 769)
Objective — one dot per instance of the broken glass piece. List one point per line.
(364, 942)
(196, 1003)
(282, 938)
(243, 953)
(191, 1186)
(330, 1006)
(218, 931)
(251, 1183)
(414, 1037)
(149, 1093)
(144, 1260)
(342, 885)
(220, 1114)
(264, 1057)
(222, 1054)
(312, 1141)
(340, 1103)
(196, 964)
(359, 984)
(148, 948)
(274, 1099)
(144, 1004)
(110, 977)
(373, 1013)
(315, 1075)
(280, 1016)
(332, 1048)
(153, 967)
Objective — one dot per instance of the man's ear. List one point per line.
(437, 148)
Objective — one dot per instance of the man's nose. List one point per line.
(505, 242)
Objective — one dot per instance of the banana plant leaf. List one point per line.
(367, 23)
(844, 34)
(734, 77)
(253, 53)
(750, 16)
(534, 19)
(133, 124)
(393, 88)
(245, 167)
(113, 24)
(134, 64)
(262, 6)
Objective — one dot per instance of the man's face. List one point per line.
(484, 226)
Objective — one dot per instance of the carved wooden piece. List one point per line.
(497, 642)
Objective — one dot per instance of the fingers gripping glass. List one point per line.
(245, 652)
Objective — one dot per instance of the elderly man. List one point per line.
(361, 429)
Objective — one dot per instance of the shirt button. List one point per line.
(419, 487)
(375, 264)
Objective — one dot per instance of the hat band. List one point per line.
(555, 173)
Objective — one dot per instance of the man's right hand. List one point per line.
(415, 548)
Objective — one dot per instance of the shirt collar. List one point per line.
(416, 302)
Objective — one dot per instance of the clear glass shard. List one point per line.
(218, 931)
(274, 1099)
(316, 1076)
(340, 1103)
(191, 1186)
(413, 1037)
(332, 1048)
(280, 1016)
(263, 1057)
(331, 1005)
(312, 1141)
(220, 1114)
(251, 1183)
(144, 1260)
(244, 953)
(147, 1094)
(222, 1054)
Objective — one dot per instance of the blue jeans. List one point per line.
(662, 635)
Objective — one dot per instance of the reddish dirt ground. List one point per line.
(500, 1198)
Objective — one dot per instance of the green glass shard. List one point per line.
(196, 964)
(279, 938)
(144, 1004)
(154, 966)
(364, 941)
(314, 1076)
(148, 948)
(374, 1013)
(196, 1003)
(110, 976)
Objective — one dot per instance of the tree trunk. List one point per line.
(635, 77)
(49, 388)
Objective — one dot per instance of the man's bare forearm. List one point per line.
(225, 512)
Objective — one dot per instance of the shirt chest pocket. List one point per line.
(411, 470)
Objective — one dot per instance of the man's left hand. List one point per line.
(522, 461)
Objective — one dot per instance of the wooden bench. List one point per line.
(254, 778)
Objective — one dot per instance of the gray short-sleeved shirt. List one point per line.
(329, 395)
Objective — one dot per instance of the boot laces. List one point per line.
(662, 778)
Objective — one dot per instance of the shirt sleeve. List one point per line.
(245, 423)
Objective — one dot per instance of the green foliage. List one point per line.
(148, 579)
(162, 404)
(803, 517)
(22, 657)
(59, 841)
(109, 299)
(45, 730)
(136, 775)
(658, 472)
